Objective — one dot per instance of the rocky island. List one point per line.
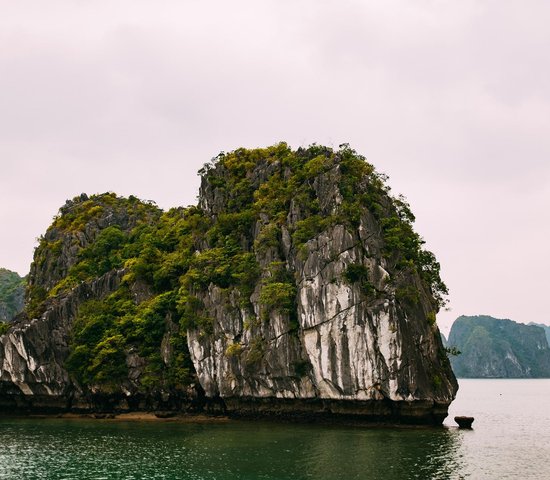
(498, 348)
(296, 287)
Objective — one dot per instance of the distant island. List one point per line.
(12, 295)
(498, 348)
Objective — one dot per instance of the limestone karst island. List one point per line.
(295, 288)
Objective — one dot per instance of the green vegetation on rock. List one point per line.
(356, 273)
(150, 249)
(292, 188)
(4, 327)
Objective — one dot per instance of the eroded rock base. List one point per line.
(335, 411)
(346, 412)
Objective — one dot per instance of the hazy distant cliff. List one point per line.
(12, 293)
(494, 348)
(546, 329)
(296, 286)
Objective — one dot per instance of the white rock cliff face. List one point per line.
(353, 348)
(347, 347)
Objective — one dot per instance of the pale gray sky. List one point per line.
(450, 99)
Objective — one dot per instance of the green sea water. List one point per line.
(511, 439)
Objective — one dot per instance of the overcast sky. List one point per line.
(451, 99)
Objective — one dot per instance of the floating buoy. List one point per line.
(464, 422)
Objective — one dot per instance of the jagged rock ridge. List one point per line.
(296, 286)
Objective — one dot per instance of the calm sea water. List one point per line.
(511, 439)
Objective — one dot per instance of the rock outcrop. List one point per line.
(355, 335)
(297, 287)
(495, 348)
(34, 351)
(77, 267)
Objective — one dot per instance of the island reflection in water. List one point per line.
(55, 449)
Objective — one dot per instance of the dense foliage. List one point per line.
(89, 237)
(293, 185)
(153, 256)
(151, 249)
